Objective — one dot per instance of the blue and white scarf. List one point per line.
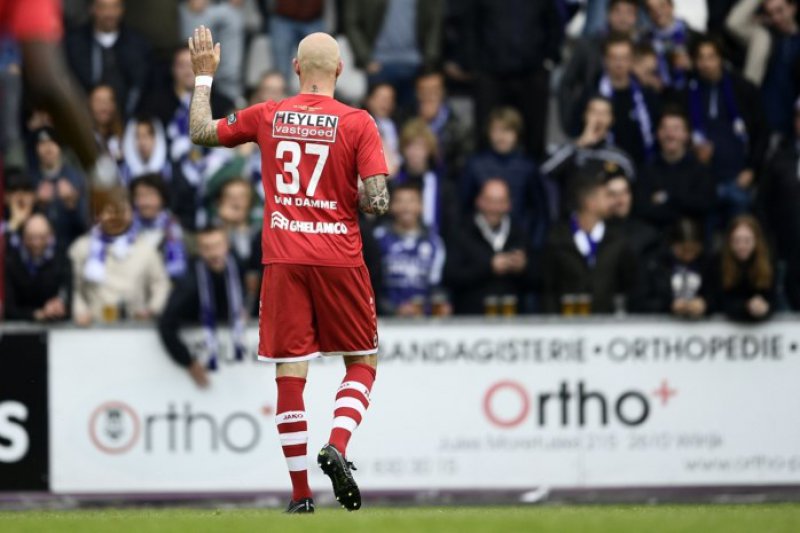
(698, 115)
(587, 242)
(664, 41)
(168, 235)
(208, 309)
(639, 108)
(99, 245)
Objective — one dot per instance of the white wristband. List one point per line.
(203, 81)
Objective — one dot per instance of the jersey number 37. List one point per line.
(291, 154)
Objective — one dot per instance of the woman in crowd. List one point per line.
(747, 280)
(106, 120)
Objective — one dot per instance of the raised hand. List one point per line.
(205, 54)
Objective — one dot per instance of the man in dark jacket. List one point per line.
(780, 196)
(586, 62)
(675, 183)
(107, 52)
(636, 107)
(37, 283)
(393, 39)
(210, 293)
(587, 262)
(729, 128)
(489, 265)
(511, 47)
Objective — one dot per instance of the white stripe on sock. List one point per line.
(356, 386)
(345, 422)
(290, 416)
(297, 463)
(353, 403)
(297, 437)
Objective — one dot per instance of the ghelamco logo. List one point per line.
(508, 404)
(116, 428)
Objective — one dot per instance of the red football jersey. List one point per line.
(313, 150)
(31, 19)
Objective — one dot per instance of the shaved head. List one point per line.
(318, 54)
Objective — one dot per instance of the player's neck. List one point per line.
(317, 87)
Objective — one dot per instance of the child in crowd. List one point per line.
(413, 258)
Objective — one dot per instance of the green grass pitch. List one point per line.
(616, 519)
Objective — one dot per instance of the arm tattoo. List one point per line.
(374, 197)
(202, 127)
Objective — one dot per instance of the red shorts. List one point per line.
(308, 311)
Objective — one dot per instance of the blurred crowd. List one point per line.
(631, 164)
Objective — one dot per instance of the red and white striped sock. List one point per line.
(352, 400)
(293, 432)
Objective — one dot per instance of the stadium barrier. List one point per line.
(526, 405)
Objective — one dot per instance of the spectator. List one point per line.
(192, 165)
(37, 275)
(271, 86)
(394, 39)
(289, 22)
(236, 202)
(588, 266)
(585, 64)
(671, 38)
(20, 200)
(380, 103)
(211, 292)
(106, 120)
(781, 197)
(60, 189)
(511, 47)
(680, 280)
(635, 107)
(144, 150)
(107, 52)
(419, 150)
(675, 184)
(642, 238)
(453, 135)
(747, 276)
(413, 258)
(504, 159)
(226, 20)
(772, 56)
(490, 267)
(116, 274)
(153, 223)
(728, 124)
(646, 70)
(592, 153)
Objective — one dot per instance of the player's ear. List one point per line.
(296, 66)
(339, 68)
